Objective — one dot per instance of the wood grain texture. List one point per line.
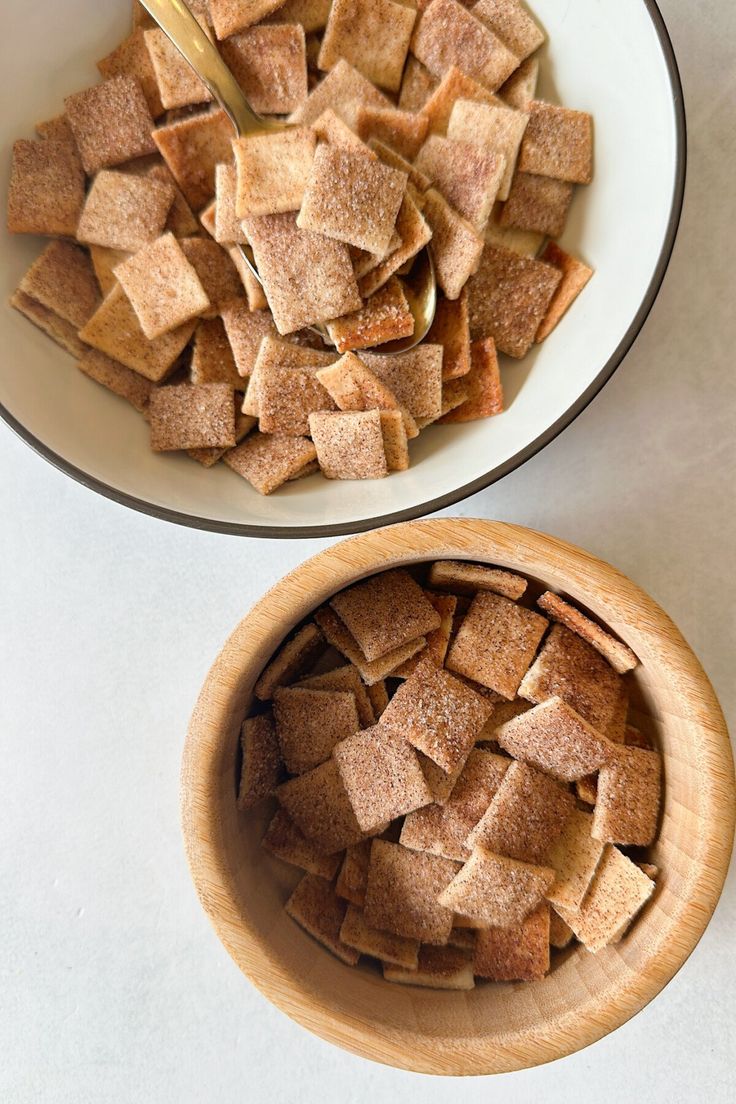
(493, 1028)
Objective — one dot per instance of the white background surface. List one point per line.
(113, 988)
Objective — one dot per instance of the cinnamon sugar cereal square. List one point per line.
(558, 142)
(575, 856)
(189, 416)
(353, 876)
(104, 262)
(394, 949)
(496, 891)
(414, 232)
(371, 671)
(517, 953)
(455, 85)
(62, 280)
(403, 131)
(395, 440)
(262, 765)
(114, 329)
(284, 840)
(210, 456)
(330, 128)
(373, 35)
(415, 377)
(402, 892)
(456, 246)
(349, 444)
(352, 197)
(484, 391)
(441, 783)
(438, 639)
(309, 723)
(437, 713)
(525, 817)
(451, 330)
(131, 58)
(448, 34)
(273, 170)
(270, 65)
(518, 91)
(192, 148)
(344, 90)
(490, 125)
(627, 806)
(293, 658)
(212, 357)
(513, 24)
(116, 378)
(230, 16)
(215, 270)
(537, 203)
(556, 739)
(162, 286)
(226, 228)
(385, 316)
(246, 330)
(124, 212)
(111, 123)
(437, 968)
(618, 891)
(307, 277)
(381, 775)
(619, 655)
(316, 907)
(417, 85)
(389, 156)
(275, 353)
(468, 578)
(267, 460)
(508, 298)
(178, 84)
(319, 806)
(287, 396)
(496, 643)
(311, 14)
(467, 175)
(385, 611)
(526, 243)
(575, 275)
(46, 190)
(346, 678)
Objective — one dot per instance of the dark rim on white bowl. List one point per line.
(433, 504)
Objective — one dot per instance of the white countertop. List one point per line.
(114, 988)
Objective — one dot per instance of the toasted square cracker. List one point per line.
(210, 456)
(307, 277)
(513, 24)
(469, 578)
(178, 84)
(518, 91)
(192, 148)
(273, 170)
(467, 175)
(395, 440)
(379, 695)
(230, 16)
(352, 197)
(456, 246)
(62, 281)
(448, 34)
(262, 764)
(537, 203)
(443, 829)
(292, 659)
(212, 357)
(414, 233)
(245, 331)
(441, 783)
(227, 228)
(216, 272)
(437, 968)
(275, 353)
(560, 932)
(46, 190)
(570, 668)
(188, 416)
(349, 444)
(575, 856)
(346, 678)
(415, 378)
(402, 892)
(575, 275)
(131, 58)
(373, 35)
(454, 394)
(490, 125)
(124, 212)
(627, 805)
(312, 14)
(330, 128)
(438, 639)
(437, 713)
(618, 891)
(116, 378)
(517, 953)
(455, 85)
(381, 775)
(284, 840)
(270, 65)
(111, 123)
(319, 806)
(525, 817)
(104, 262)
(558, 142)
(371, 671)
(403, 131)
(417, 85)
(314, 904)
(394, 949)
(555, 739)
(496, 643)
(484, 390)
(309, 723)
(508, 297)
(59, 130)
(618, 654)
(114, 329)
(268, 460)
(353, 876)
(344, 90)
(385, 316)
(162, 286)
(526, 243)
(497, 891)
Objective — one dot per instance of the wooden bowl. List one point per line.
(494, 1028)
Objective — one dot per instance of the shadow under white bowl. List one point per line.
(614, 60)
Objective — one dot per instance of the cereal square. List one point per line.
(178, 84)
(314, 904)
(402, 892)
(537, 203)
(292, 659)
(330, 128)
(111, 123)
(496, 643)
(385, 611)
(307, 277)
(517, 953)
(230, 16)
(273, 170)
(403, 131)
(309, 723)
(415, 377)
(312, 14)
(46, 190)
(352, 197)
(456, 246)
(227, 228)
(349, 444)
(215, 270)
(319, 806)
(353, 876)
(441, 783)
(575, 275)
(496, 891)
(414, 234)
(212, 357)
(262, 764)
(162, 286)
(575, 856)
(104, 262)
(627, 806)
(513, 24)
(620, 657)
(116, 378)
(284, 840)
(370, 671)
(518, 91)
(62, 281)
(526, 243)
(395, 440)
(467, 175)
(270, 65)
(385, 316)
(268, 460)
(455, 85)
(344, 90)
(192, 148)
(346, 678)
(381, 775)
(438, 640)
(132, 59)
(124, 212)
(389, 156)
(618, 891)
(437, 968)
(493, 126)
(286, 398)
(275, 353)
(508, 298)
(246, 330)
(448, 34)
(208, 457)
(468, 578)
(525, 817)
(394, 949)
(484, 390)
(417, 85)
(558, 142)
(437, 713)
(556, 739)
(187, 416)
(373, 35)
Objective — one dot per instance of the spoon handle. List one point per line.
(179, 25)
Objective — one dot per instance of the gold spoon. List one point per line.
(179, 25)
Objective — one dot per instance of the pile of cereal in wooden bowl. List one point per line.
(406, 129)
(454, 770)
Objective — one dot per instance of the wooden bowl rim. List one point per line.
(503, 544)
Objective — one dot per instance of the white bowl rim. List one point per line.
(429, 506)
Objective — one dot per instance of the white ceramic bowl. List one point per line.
(612, 59)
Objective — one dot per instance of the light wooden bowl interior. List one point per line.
(494, 1028)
